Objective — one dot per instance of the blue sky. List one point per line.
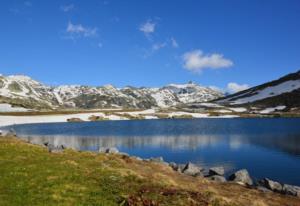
(150, 43)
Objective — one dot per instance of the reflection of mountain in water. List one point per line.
(92, 143)
(289, 144)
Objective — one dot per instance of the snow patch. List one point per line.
(272, 109)
(9, 108)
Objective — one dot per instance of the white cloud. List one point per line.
(158, 46)
(148, 27)
(77, 30)
(233, 87)
(174, 43)
(66, 8)
(100, 45)
(196, 61)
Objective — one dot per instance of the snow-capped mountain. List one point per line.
(22, 91)
(281, 92)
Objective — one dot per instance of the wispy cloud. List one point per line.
(158, 46)
(233, 87)
(196, 61)
(148, 27)
(78, 30)
(67, 8)
(174, 43)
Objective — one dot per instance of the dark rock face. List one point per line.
(291, 190)
(192, 170)
(217, 178)
(216, 171)
(241, 176)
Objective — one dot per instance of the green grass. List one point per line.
(30, 175)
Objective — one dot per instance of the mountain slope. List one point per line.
(284, 91)
(23, 91)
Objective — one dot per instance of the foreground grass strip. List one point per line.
(29, 175)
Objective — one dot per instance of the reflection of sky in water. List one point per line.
(266, 147)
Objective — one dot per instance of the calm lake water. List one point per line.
(266, 147)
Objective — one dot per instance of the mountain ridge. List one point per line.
(21, 90)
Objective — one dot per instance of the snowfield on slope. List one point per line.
(271, 91)
(6, 120)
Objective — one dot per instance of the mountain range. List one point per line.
(19, 90)
(22, 91)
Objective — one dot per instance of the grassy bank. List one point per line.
(30, 175)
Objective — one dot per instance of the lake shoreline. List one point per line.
(223, 193)
(15, 118)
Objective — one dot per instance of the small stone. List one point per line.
(217, 178)
(216, 171)
(241, 176)
(192, 170)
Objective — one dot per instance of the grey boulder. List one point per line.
(241, 176)
(192, 170)
(217, 178)
(216, 171)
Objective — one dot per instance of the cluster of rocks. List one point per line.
(278, 187)
(241, 177)
(214, 173)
